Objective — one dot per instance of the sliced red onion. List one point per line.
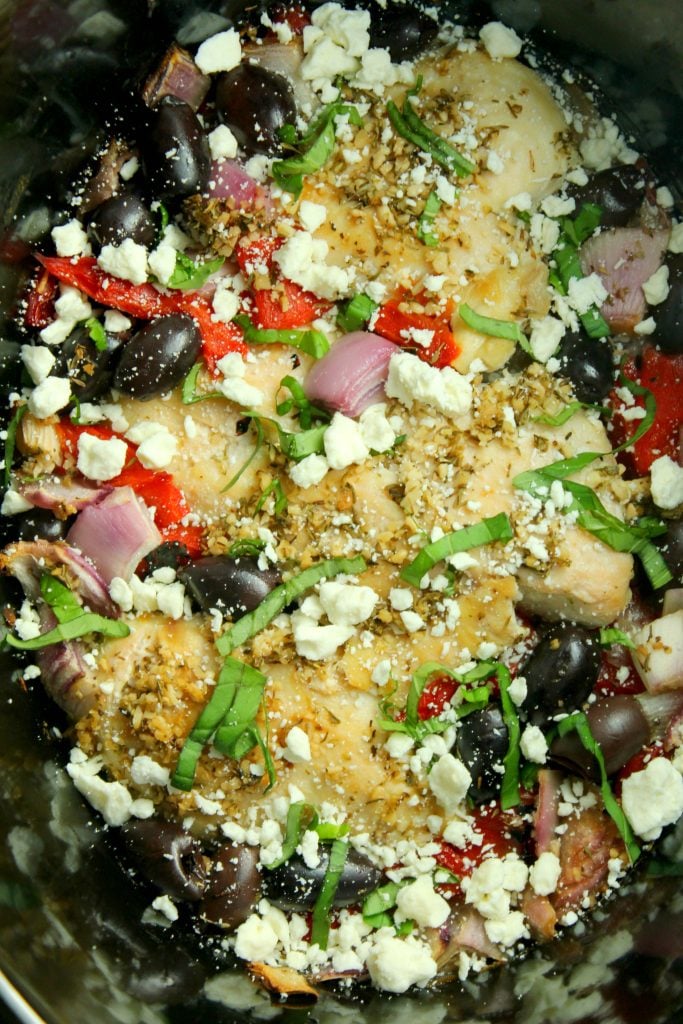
(546, 816)
(353, 373)
(229, 180)
(178, 76)
(27, 561)
(115, 533)
(63, 672)
(60, 494)
(624, 258)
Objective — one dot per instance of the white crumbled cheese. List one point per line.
(666, 481)
(312, 215)
(664, 197)
(162, 262)
(418, 902)
(38, 361)
(533, 745)
(13, 503)
(27, 623)
(255, 939)
(653, 798)
(347, 604)
(445, 190)
(111, 799)
(656, 288)
(556, 206)
(412, 621)
(240, 392)
(130, 168)
(518, 690)
(127, 261)
(302, 260)
(71, 239)
(165, 906)
(411, 380)
(115, 322)
(51, 395)
(395, 964)
(509, 930)
(494, 162)
(226, 303)
(101, 459)
(400, 598)
(646, 326)
(545, 338)
(500, 41)
(157, 451)
(232, 365)
(190, 427)
(144, 595)
(449, 781)
(545, 232)
(676, 239)
(334, 44)
(584, 292)
(381, 673)
(310, 471)
(120, 592)
(317, 642)
(72, 305)
(145, 771)
(545, 873)
(222, 143)
(376, 430)
(343, 442)
(399, 744)
(434, 282)
(297, 746)
(521, 201)
(171, 600)
(221, 52)
(310, 843)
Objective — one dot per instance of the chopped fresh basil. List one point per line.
(640, 391)
(97, 333)
(299, 401)
(488, 531)
(581, 227)
(312, 342)
(579, 723)
(188, 275)
(528, 775)
(378, 903)
(509, 790)
(354, 314)
(300, 817)
(327, 830)
(189, 390)
(11, 440)
(256, 420)
(567, 264)
(495, 328)
(278, 599)
(72, 621)
(164, 218)
(411, 127)
(232, 737)
(426, 222)
(315, 147)
(274, 487)
(320, 924)
(611, 635)
(246, 547)
(297, 446)
(566, 413)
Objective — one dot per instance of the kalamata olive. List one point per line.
(588, 364)
(175, 151)
(618, 724)
(295, 886)
(618, 190)
(482, 742)
(561, 671)
(234, 886)
(89, 368)
(668, 315)
(158, 356)
(169, 555)
(120, 217)
(41, 523)
(233, 585)
(255, 102)
(167, 856)
(402, 30)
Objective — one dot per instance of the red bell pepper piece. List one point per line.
(663, 375)
(281, 309)
(295, 15)
(392, 323)
(218, 338)
(436, 697)
(40, 301)
(139, 300)
(492, 825)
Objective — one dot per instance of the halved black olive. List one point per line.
(295, 886)
(588, 364)
(561, 671)
(617, 724)
(255, 102)
(167, 856)
(482, 742)
(234, 886)
(158, 356)
(175, 151)
(89, 368)
(619, 191)
(401, 29)
(123, 216)
(233, 585)
(668, 315)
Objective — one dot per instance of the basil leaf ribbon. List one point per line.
(73, 621)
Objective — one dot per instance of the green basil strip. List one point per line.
(494, 328)
(568, 264)
(11, 440)
(299, 401)
(312, 342)
(96, 333)
(654, 565)
(320, 926)
(509, 792)
(473, 700)
(581, 227)
(246, 547)
(378, 903)
(611, 635)
(278, 599)
(640, 391)
(579, 723)
(265, 751)
(164, 218)
(86, 623)
(328, 830)
(316, 146)
(426, 221)
(411, 127)
(274, 487)
(231, 737)
(417, 684)
(61, 600)
(190, 276)
(300, 817)
(488, 531)
(189, 391)
(248, 461)
(565, 414)
(297, 446)
(418, 728)
(354, 314)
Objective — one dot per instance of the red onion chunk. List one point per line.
(178, 76)
(229, 180)
(352, 375)
(546, 816)
(624, 258)
(61, 495)
(63, 672)
(116, 533)
(28, 561)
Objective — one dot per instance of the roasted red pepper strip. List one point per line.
(663, 375)
(289, 306)
(392, 323)
(218, 338)
(436, 697)
(40, 301)
(492, 826)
